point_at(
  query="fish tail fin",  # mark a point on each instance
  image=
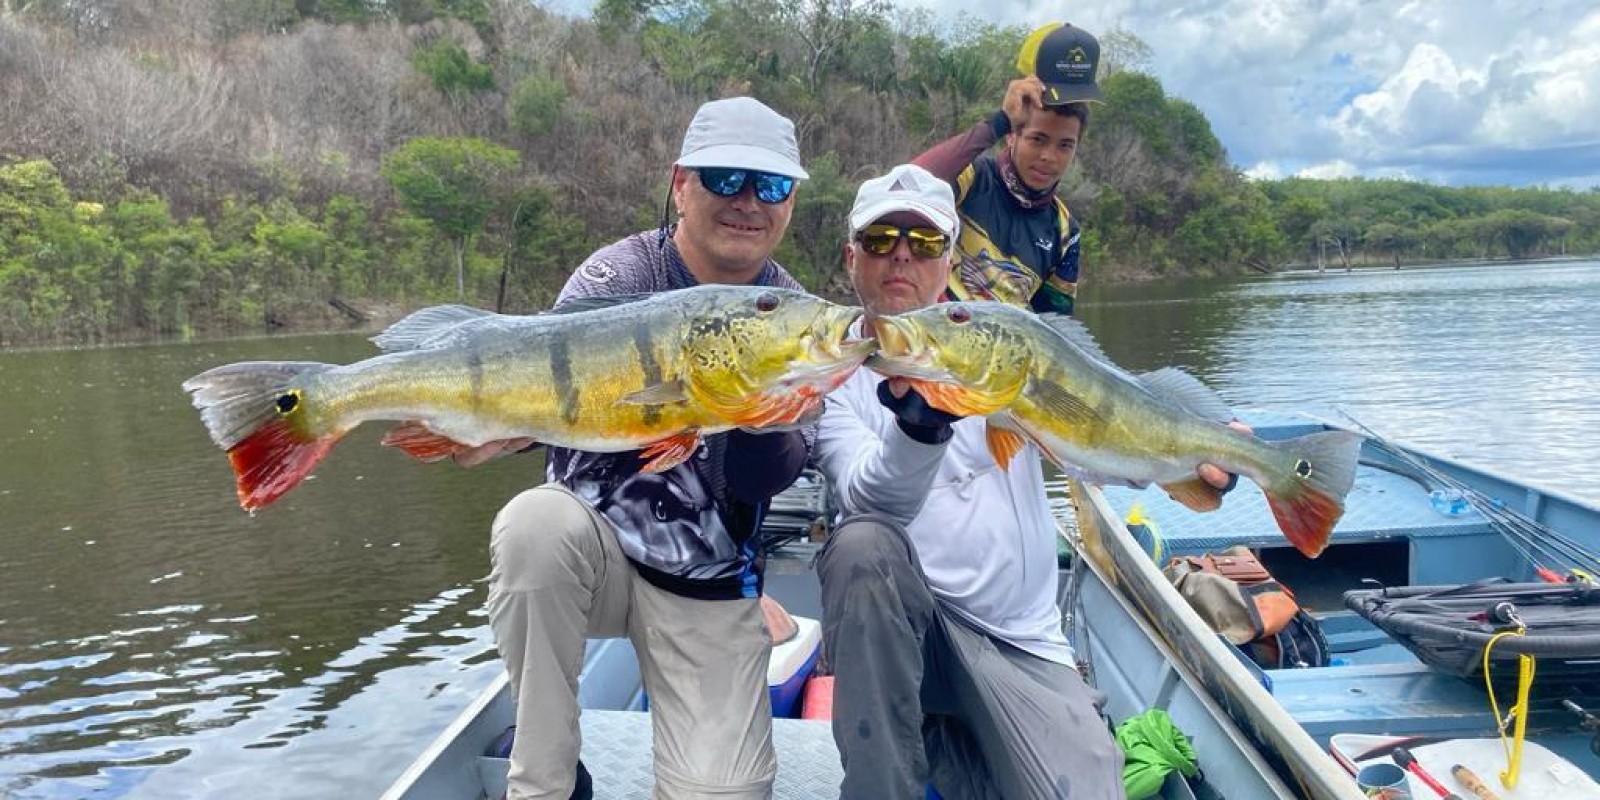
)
(1307, 493)
(255, 411)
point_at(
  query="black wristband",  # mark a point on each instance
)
(917, 419)
(927, 434)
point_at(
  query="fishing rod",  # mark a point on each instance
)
(1524, 534)
(1395, 459)
(1572, 551)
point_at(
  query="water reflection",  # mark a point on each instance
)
(1492, 364)
(156, 642)
(146, 620)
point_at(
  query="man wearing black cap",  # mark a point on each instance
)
(1019, 243)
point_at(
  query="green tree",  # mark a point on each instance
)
(450, 182)
(812, 248)
(1388, 237)
(452, 69)
(536, 103)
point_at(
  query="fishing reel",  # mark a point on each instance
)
(1504, 613)
(1588, 722)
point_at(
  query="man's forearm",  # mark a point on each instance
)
(947, 158)
(892, 477)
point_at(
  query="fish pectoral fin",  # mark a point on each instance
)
(421, 442)
(1062, 405)
(953, 399)
(671, 451)
(1195, 494)
(1004, 444)
(658, 394)
(790, 412)
(1182, 389)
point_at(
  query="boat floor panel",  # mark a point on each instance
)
(1408, 699)
(616, 751)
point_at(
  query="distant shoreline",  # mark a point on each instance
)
(1311, 269)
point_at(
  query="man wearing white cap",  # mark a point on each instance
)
(939, 582)
(670, 559)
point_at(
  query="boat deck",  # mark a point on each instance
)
(616, 751)
(1389, 535)
(1386, 507)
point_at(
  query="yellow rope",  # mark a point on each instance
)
(1519, 712)
(1136, 517)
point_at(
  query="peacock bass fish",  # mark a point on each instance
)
(644, 372)
(1042, 379)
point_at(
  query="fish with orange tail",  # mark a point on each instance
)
(1041, 379)
(652, 373)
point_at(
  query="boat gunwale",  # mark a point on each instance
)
(1313, 772)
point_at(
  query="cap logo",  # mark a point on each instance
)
(900, 186)
(1075, 66)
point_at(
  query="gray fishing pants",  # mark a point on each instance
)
(559, 577)
(920, 694)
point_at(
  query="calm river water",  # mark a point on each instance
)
(155, 641)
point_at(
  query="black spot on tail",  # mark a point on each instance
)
(1302, 468)
(288, 402)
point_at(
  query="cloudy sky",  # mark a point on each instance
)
(1458, 92)
(1488, 92)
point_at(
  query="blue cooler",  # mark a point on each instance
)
(789, 664)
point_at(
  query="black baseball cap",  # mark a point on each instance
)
(1065, 58)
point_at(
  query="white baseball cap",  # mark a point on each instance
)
(907, 187)
(741, 133)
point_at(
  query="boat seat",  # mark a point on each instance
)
(616, 751)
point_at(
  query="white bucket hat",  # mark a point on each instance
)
(907, 187)
(741, 133)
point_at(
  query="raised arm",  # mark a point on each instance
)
(879, 468)
(948, 158)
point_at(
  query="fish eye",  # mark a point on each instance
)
(959, 315)
(767, 301)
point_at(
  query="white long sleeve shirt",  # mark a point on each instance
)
(986, 537)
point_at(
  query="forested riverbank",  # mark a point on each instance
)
(212, 166)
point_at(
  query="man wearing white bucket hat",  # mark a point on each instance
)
(667, 559)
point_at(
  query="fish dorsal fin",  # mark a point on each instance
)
(1182, 389)
(421, 329)
(1074, 331)
(578, 305)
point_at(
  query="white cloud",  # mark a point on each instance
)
(1264, 171)
(1338, 168)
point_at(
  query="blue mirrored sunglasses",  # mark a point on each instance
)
(725, 182)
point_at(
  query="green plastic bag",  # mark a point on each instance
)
(1152, 747)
